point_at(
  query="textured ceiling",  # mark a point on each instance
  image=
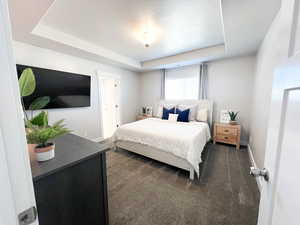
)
(174, 26)
(109, 31)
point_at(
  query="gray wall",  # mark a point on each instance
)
(230, 84)
(273, 51)
(83, 121)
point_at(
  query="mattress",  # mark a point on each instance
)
(184, 140)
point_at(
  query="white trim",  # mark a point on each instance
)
(253, 163)
(12, 124)
(98, 139)
(7, 210)
(292, 44)
(223, 24)
(53, 34)
(101, 76)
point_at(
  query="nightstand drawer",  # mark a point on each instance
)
(227, 133)
(227, 130)
(226, 139)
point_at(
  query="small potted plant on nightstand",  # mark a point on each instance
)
(39, 132)
(233, 117)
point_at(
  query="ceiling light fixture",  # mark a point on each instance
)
(146, 39)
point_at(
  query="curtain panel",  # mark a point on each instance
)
(203, 77)
(181, 83)
(163, 84)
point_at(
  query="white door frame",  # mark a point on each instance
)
(275, 135)
(15, 170)
(281, 89)
(101, 75)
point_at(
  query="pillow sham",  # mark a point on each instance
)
(173, 117)
(160, 109)
(166, 113)
(193, 110)
(202, 115)
(183, 115)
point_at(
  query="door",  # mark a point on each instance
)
(110, 105)
(16, 186)
(280, 204)
(280, 196)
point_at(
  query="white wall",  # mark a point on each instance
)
(230, 86)
(83, 121)
(273, 51)
(150, 88)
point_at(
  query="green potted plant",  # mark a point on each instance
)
(144, 110)
(38, 131)
(41, 134)
(233, 117)
(27, 86)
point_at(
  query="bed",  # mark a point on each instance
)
(175, 143)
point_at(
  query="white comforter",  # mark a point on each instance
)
(185, 140)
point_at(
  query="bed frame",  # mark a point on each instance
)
(160, 155)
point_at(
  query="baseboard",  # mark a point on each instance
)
(253, 163)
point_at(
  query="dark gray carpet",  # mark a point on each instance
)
(146, 192)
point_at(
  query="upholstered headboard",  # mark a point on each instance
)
(204, 104)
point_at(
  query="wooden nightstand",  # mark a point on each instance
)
(227, 133)
(142, 117)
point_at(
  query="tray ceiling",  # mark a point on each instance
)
(111, 31)
(175, 26)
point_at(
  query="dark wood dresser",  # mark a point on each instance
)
(71, 189)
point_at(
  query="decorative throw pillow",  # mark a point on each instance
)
(202, 115)
(160, 109)
(193, 110)
(183, 116)
(166, 113)
(173, 117)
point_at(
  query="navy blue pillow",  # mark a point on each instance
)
(183, 116)
(166, 112)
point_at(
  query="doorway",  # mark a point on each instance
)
(110, 104)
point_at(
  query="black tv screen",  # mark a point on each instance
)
(66, 90)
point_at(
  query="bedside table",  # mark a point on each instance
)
(142, 117)
(227, 133)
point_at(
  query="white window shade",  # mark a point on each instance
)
(182, 83)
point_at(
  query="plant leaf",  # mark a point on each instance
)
(39, 103)
(27, 82)
(41, 135)
(40, 120)
(45, 119)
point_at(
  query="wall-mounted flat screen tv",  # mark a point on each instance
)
(66, 90)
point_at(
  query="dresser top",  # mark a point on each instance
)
(70, 149)
(228, 125)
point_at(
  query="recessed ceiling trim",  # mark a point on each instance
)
(69, 40)
(223, 25)
(187, 58)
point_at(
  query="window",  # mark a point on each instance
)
(182, 83)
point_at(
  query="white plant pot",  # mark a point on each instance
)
(44, 154)
(233, 122)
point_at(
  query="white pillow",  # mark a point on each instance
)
(173, 117)
(193, 110)
(160, 109)
(202, 115)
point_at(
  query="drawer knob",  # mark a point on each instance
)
(226, 137)
(226, 130)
